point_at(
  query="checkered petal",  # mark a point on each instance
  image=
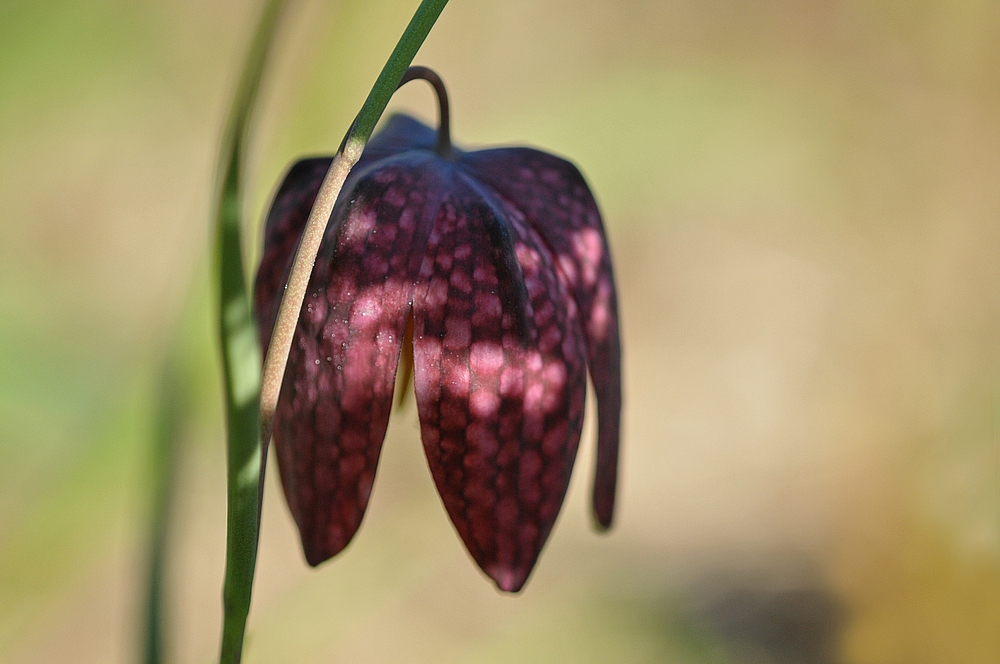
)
(500, 380)
(334, 405)
(558, 205)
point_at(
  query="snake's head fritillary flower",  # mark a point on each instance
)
(499, 261)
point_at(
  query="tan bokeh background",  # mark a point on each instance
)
(803, 201)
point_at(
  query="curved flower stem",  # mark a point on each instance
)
(240, 352)
(443, 147)
(348, 155)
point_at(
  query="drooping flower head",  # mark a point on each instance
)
(499, 261)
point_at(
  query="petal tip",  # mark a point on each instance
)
(315, 558)
(603, 512)
(318, 552)
(602, 522)
(508, 579)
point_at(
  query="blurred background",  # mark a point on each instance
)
(803, 201)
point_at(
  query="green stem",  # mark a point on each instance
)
(240, 352)
(392, 73)
(165, 440)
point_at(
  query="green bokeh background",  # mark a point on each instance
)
(803, 201)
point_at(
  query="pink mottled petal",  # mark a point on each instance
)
(337, 391)
(555, 200)
(294, 200)
(500, 390)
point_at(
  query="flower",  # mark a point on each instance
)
(498, 260)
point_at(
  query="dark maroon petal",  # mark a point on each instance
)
(337, 391)
(396, 135)
(294, 200)
(285, 221)
(500, 390)
(556, 202)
